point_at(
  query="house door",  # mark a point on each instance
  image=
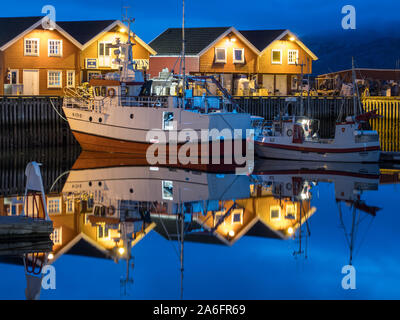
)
(281, 84)
(268, 83)
(31, 82)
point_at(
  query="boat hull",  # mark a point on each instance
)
(228, 154)
(354, 154)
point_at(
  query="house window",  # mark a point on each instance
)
(275, 213)
(71, 79)
(56, 236)
(54, 205)
(92, 74)
(31, 47)
(103, 232)
(54, 79)
(14, 76)
(105, 54)
(237, 216)
(55, 48)
(293, 56)
(167, 190)
(276, 56)
(238, 55)
(219, 218)
(220, 55)
(290, 212)
(70, 205)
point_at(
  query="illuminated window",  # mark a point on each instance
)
(167, 190)
(293, 56)
(276, 56)
(70, 205)
(238, 55)
(71, 79)
(56, 236)
(31, 47)
(237, 216)
(275, 213)
(54, 205)
(290, 212)
(54, 79)
(55, 48)
(103, 232)
(93, 74)
(220, 55)
(219, 218)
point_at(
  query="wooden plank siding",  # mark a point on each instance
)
(265, 65)
(14, 58)
(207, 60)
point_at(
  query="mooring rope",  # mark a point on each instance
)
(55, 109)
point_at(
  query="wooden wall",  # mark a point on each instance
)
(265, 63)
(14, 58)
(207, 64)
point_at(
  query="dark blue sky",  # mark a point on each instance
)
(302, 17)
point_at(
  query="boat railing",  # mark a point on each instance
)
(151, 102)
(77, 98)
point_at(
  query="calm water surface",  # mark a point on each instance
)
(284, 232)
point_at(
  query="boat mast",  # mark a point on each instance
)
(183, 56)
(356, 97)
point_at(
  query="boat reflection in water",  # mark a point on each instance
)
(108, 204)
(350, 181)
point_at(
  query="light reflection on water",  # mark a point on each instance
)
(284, 232)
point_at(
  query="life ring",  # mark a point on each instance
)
(289, 132)
(110, 211)
(111, 92)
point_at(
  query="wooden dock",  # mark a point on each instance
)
(20, 227)
(29, 122)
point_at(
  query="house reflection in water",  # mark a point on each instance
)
(78, 231)
(263, 214)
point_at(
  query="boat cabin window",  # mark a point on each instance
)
(168, 118)
(167, 190)
(100, 91)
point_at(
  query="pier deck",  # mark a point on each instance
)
(19, 227)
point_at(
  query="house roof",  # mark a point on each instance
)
(261, 38)
(12, 27)
(84, 31)
(81, 33)
(170, 41)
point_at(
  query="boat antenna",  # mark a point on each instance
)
(356, 96)
(183, 55)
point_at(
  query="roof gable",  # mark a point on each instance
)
(261, 38)
(10, 28)
(84, 31)
(197, 39)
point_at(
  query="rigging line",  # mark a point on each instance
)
(55, 109)
(58, 178)
(169, 238)
(342, 224)
(365, 236)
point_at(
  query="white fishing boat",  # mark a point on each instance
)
(293, 138)
(118, 118)
(296, 138)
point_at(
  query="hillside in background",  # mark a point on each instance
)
(371, 49)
